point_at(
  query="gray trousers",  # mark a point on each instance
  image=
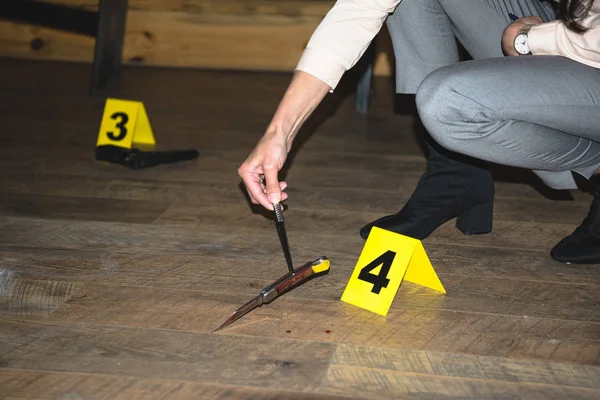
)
(536, 112)
(424, 33)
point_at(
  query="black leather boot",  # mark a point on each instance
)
(452, 186)
(583, 245)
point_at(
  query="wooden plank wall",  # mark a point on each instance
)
(231, 34)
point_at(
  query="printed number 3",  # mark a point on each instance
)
(380, 280)
(124, 118)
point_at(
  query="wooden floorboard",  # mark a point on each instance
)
(493, 294)
(339, 241)
(276, 363)
(295, 317)
(248, 361)
(510, 202)
(176, 270)
(81, 208)
(44, 385)
(112, 280)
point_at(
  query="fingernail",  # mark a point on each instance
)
(274, 198)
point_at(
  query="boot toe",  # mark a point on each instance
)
(382, 223)
(576, 249)
(365, 230)
(396, 223)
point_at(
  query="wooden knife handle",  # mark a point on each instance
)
(302, 275)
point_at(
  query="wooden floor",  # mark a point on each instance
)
(111, 280)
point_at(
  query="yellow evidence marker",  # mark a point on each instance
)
(386, 259)
(125, 124)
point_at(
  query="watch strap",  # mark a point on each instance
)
(524, 29)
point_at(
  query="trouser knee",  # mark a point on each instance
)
(447, 110)
(434, 100)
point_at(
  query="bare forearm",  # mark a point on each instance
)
(299, 101)
(302, 97)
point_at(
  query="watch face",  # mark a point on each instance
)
(521, 45)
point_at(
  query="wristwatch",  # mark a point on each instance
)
(521, 42)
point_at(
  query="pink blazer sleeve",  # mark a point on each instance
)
(554, 38)
(342, 37)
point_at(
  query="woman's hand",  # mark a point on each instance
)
(511, 31)
(266, 160)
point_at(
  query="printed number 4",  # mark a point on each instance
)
(124, 118)
(380, 280)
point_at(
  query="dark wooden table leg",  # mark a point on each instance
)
(112, 16)
(363, 88)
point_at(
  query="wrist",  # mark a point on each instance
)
(300, 99)
(280, 131)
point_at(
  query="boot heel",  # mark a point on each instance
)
(477, 219)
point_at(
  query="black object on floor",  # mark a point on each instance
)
(138, 159)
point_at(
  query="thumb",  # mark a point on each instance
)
(272, 185)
